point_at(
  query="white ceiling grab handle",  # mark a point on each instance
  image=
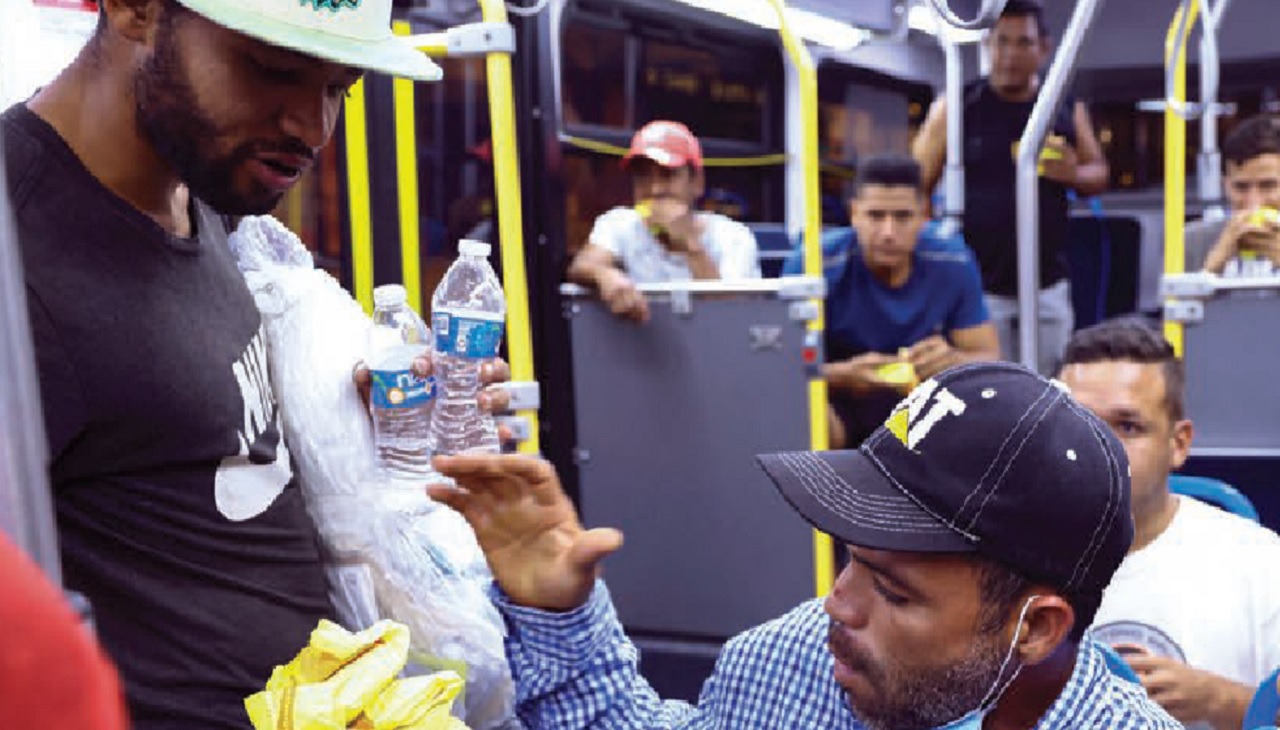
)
(987, 16)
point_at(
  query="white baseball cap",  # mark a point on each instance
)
(352, 32)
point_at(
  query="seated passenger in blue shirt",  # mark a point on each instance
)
(896, 293)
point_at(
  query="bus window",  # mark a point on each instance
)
(861, 112)
(594, 76)
(720, 95)
(623, 70)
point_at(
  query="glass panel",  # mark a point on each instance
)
(593, 76)
(716, 95)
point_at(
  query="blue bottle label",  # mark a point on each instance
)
(400, 389)
(470, 336)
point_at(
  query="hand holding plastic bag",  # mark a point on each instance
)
(391, 553)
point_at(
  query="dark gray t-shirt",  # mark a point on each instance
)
(178, 514)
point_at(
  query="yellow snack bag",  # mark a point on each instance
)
(416, 703)
(645, 209)
(899, 373)
(1265, 215)
(1046, 152)
(339, 678)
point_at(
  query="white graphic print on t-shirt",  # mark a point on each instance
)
(249, 481)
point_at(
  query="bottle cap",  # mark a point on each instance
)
(389, 295)
(467, 247)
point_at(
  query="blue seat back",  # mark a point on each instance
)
(1103, 256)
(773, 245)
(1264, 711)
(1215, 492)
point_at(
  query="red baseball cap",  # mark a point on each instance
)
(669, 144)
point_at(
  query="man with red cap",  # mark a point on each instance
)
(662, 238)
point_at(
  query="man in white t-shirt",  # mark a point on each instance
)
(1195, 607)
(662, 238)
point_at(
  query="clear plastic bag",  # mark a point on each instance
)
(393, 553)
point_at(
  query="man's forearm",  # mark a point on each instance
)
(1231, 702)
(1091, 178)
(964, 357)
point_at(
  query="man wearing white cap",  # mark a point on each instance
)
(178, 512)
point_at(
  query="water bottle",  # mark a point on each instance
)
(467, 315)
(400, 401)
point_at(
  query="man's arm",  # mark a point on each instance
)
(591, 264)
(1243, 231)
(858, 376)
(1092, 171)
(578, 670)
(932, 355)
(1193, 695)
(930, 145)
(597, 267)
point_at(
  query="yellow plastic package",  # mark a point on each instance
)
(1264, 216)
(901, 373)
(342, 681)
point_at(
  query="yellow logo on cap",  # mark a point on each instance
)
(332, 6)
(898, 423)
(910, 422)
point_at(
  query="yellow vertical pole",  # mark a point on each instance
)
(407, 182)
(361, 219)
(1175, 158)
(506, 173)
(823, 554)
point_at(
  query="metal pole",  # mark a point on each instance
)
(1210, 161)
(26, 506)
(1028, 187)
(953, 182)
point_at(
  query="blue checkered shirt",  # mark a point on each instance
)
(578, 670)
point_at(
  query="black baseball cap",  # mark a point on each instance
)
(988, 458)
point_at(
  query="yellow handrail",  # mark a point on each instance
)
(407, 182)
(1175, 160)
(356, 143)
(506, 175)
(823, 554)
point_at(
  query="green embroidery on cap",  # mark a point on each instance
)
(332, 6)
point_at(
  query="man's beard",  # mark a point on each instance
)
(182, 134)
(921, 698)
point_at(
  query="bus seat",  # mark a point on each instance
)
(1103, 258)
(773, 245)
(1117, 664)
(1264, 711)
(1215, 492)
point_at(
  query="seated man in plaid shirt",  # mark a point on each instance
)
(983, 522)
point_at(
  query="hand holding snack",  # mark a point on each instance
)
(672, 222)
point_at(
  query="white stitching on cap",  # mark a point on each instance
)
(1008, 437)
(1008, 464)
(834, 493)
(893, 480)
(837, 495)
(1113, 493)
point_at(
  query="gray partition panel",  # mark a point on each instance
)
(1232, 358)
(669, 417)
